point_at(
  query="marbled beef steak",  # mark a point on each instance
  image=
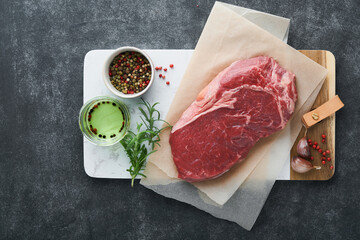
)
(249, 100)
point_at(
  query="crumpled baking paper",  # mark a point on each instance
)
(239, 194)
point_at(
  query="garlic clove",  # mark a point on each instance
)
(301, 165)
(303, 148)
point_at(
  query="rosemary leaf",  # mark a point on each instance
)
(147, 132)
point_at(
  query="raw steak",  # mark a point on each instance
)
(249, 100)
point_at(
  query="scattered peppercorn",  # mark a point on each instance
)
(114, 104)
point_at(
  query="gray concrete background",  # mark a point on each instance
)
(44, 191)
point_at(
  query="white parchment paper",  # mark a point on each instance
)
(239, 194)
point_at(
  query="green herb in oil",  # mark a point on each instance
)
(147, 133)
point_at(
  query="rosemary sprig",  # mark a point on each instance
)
(135, 143)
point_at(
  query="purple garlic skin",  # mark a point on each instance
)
(301, 165)
(303, 148)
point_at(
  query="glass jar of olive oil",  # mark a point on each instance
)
(104, 120)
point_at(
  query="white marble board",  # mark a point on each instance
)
(111, 162)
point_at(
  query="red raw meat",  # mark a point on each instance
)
(249, 100)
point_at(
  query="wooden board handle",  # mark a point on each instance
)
(322, 112)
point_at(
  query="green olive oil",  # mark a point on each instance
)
(105, 119)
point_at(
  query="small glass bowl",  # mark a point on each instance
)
(85, 127)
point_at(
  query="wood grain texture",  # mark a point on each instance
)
(326, 126)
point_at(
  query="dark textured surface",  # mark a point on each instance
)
(44, 191)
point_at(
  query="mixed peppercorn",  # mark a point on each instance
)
(130, 72)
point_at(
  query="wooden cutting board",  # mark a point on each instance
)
(327, 126)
